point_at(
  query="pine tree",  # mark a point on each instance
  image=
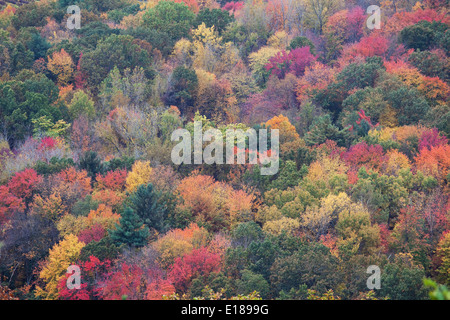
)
(147, 204)
(131, 230)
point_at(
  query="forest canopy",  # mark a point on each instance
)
(87, 179)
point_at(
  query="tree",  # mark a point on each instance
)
(422, 34)
(91, 163)
(130, 230)
(214, 17)
(148, 205)
(140, 174)
(434, 161)
(443, 256)
(200, 262)
(294, 62)
(81, 105)
(318, 11)
(183, 88)
(321, 130)
(251, 282)
(123, 53)
(173, 18)
(23, 184)
(62, 66)
(179, 242)
(61, 256)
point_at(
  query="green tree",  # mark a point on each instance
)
(183, 88)
(115, 50)
(250, 282)
(131, 230)
(214, 17)
(81, 104)
(170, 17)
(149, 206)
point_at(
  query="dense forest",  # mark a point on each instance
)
(87, 179)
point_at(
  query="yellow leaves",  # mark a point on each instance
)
(266, 213)
(62, 66)
(355, 232)
(276, 227)
(204, 35)
(179, 242)
(325, 168)
(279, 40)
(103, 216)
(206, 51)
(396, 161)
(61, 256)
(388, 117)
(69, 224)
(258, 59)
(443, 253)
(317, 220)
(205, 80)
(51, 207)
(289, 138)
(140, 174)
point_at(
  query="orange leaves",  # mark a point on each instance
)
(287, 130)
(179, 242)
(289, 138)
(62, 66)
(214, 203)
(103, 216)
(434, 161)
(112, 180)
(434, 89)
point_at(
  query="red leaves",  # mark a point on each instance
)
(112, 180)
(22, 184)
(294, 62)
(94, 233)
(91, 273)
(47, 143)
(200, 262)
(131, 282)
(361, 154)
(431, 138)
(9, 204)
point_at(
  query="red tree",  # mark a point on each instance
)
(294, 62)
(200, 262)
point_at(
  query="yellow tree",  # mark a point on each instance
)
(178, 242)
(140, 174)
(61, 256)
(62, 66)
(443, 255)
(289, 138)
